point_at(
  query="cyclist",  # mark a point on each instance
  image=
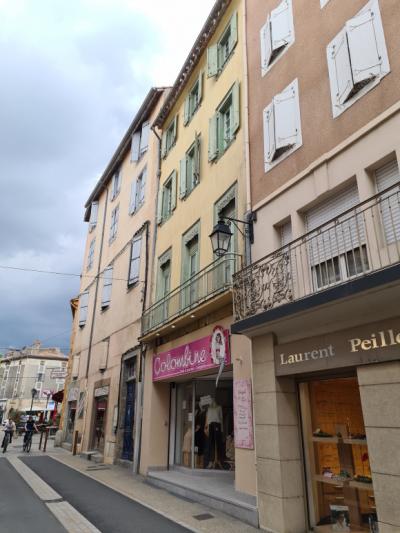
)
(9, 428)
(30, 427)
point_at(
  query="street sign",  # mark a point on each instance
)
(58, 373)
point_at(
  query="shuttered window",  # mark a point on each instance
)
(282, 126)
(169, 136)
(134, 267)
(218, 54)
(224, 124)
(189, 175)
(357, 58)
(91, 254)
(94, 210)
(276, 34)
(167, 198)
(114, 224)
(286, 233)
(116, 184)
(389, 204)
(337, 249)
(193, 100)
(107, 287)
(83, 308)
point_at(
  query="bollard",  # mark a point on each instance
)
(75, 442)
(41, 438)
(45, 440)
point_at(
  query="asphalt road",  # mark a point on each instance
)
(21, 511)
(109, 511)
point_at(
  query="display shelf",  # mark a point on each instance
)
(329, 480)
(361, 486)
(361, 442)
(329, 440)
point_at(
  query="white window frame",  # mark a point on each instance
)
(83, 308)
(274, 43)
(138, 188)
(275, 120)
(90, 258)
(140, 142)
(114, 224)
(347, 82)
(134, 263)
(107, 287)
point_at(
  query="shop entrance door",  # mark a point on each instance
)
(99, 424)
(127, 452)
(70, 421)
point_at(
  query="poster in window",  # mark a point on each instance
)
(243, 414)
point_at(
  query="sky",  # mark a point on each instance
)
(72, 74)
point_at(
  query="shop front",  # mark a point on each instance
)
(328, 454)
(99, 418)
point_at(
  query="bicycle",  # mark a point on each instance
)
(6, 441)
(27, 442)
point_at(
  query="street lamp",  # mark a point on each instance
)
(221, 234)
(33, 393)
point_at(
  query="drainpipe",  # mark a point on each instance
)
(248, 214)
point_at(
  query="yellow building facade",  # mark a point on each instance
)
(197, 410)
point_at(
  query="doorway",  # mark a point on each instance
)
(99, 423)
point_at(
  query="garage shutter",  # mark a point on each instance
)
(342, 234)
(389, 203)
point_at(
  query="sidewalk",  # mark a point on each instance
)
(133, 486)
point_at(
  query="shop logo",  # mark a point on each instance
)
(183, 361)
(301, 357)
(218, 349)
(379, 340)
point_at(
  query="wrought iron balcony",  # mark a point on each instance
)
(214, 279)
(357, 243)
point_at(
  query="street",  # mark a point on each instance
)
(40, 495)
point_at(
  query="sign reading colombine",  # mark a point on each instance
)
(192, 357)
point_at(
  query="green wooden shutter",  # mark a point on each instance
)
(200, 85)
(235, 107)
(160, 205)
(212, 60)
(182, 178)
(164, 144)
(234, 32)
(175, 129)
(197, 144)
(173, 190)
(212, 138)
(186, 110)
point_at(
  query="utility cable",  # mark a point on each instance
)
(6, 267)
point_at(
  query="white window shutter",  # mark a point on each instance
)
(269, 133)
(135, 260)
(366, 60)
(182, 178)
(339, 66)
(83, 308)
(94, 209)
(173, 190)
(186, 111)
(144, 138)
(135, 146)
(281, 27)
(132, 203)
(107, 286)
(212, 61)
(266, 44)
(212, 138)
(236, 107)
(160, 204)
(285, 109)
(143, 186)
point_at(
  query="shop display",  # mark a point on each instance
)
(336, 444)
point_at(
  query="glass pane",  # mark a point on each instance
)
(184, 417)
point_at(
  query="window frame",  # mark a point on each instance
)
(219, 54)
(106, 302)
(169, 184)
(189, 181)
(195, 93)
(85, 297)
(114, 224)
(218, 143)
(94, 212)
(134, 260)
(116, 184)
(169, 137)
(90, 258)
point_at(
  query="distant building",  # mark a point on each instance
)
(32, 367)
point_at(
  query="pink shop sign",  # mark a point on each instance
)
(243, 414)
(193, 357)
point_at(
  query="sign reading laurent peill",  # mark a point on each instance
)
(191, 357)
(371, 343)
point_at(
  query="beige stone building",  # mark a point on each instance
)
(104, 394)
(320, 301)
(197, 437)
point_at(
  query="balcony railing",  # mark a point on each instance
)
(204, 285)
(360, 241)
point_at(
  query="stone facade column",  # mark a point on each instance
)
(380, 398)
(280, 487)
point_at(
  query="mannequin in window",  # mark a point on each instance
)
(213, 430)
(187, 446)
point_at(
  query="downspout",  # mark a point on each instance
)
(248, 213)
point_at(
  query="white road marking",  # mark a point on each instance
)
(67, 515)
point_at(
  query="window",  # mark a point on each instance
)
(190, 169)
(91, 255)
(169, 137)
(83, 308)
(193, 100)
(115, 184)
(140, 142)
(282, 129)
(219, 53)
(224, 124)
(134, 267)
(94, 209)
(107, 286)
(166, 199)
(40, 374)
(285, 232)
(190, 266)
(277, 34)
(323, 3)
(357, 58)
(389, 204)
(137, 192)
(114, 224)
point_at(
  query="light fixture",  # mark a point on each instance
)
(220, 238)
(192, 316)
(173, 326)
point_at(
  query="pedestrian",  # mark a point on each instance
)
(9, 428)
